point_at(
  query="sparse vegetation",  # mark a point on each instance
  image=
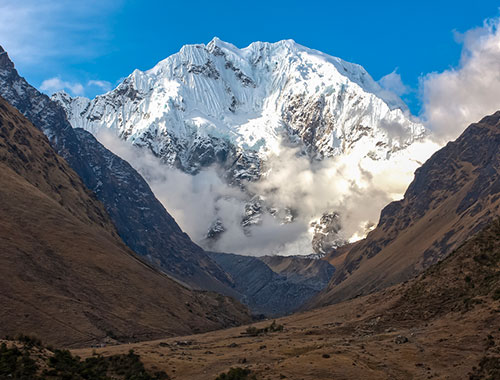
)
(489, 369)
(16, 363)
(27, 359)
(496, 294)
(474, 266)
(254, 331)
(237, 374)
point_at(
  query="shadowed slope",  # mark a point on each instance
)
(65, 274)
(140, 219)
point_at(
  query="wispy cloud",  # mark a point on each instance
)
(55, 84)
(32, 30)
(462, 95)
(102, 84)
(393, 82)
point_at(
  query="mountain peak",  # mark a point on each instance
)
(5, 61)
(217, 104)
(216, 41)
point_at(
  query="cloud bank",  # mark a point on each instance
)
(465, 94)
(355, 186)
(57, 84)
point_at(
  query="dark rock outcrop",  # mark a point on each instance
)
(142, 221)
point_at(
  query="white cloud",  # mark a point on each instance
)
(102, 84)
(357, 187)
(462, 95)
(392, 82)
(57, 84)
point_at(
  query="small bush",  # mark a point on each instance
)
(17, 364)
(29, 341)
(237, 374)
(254, 331)
(496, 294)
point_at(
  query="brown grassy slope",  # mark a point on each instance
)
(454, 194)
(469, 276)
(450, 316)
(64, 273)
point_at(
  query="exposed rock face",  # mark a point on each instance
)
(44, 114)
(278, 288)
(219, 105)
(454, 195)
(65, 274)
(141, 220)
(326, 229)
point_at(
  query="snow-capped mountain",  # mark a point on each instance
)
(204, 99)
(217, 104)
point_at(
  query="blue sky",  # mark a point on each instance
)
(88, 46)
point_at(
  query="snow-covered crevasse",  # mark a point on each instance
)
(242, 109)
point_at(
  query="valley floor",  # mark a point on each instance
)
(357, 339)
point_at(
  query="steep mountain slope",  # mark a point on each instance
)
(238, 109)
(467, 277)
(65, 274)
(454, 194)
(147, 227)
(264, 290)
(140, 219)
(440, 325)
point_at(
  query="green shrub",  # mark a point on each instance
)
(17, 364)
(62, 365)
(254, 331)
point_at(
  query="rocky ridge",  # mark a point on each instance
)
(453, 196)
